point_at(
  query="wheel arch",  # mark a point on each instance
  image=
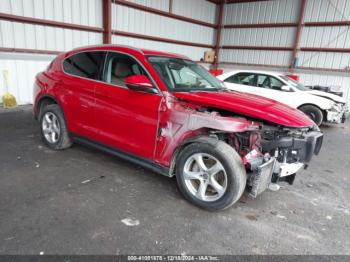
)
(45, 100)
(324, 114)
(197, 139)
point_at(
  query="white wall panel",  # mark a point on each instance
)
(278, 11)
(200, 10)
(259, 36)
(85, 12)
(331, 36)
(156, 4)
(195, 53)
(21, 77)
(136, 21)
(19, 35)
(327, 10)
(262, 12)
(324, 60)
(325, 37)
(279, 58)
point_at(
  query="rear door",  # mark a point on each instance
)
(127, 119)
(82, 71)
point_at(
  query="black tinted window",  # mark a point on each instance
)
(248, 79)
(84, 64)
(269, 82)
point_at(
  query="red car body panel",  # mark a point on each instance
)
(150, 126)
(250, 105)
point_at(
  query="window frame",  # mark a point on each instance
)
(171, 78)
(104, 68)
(98, 71)
(270, 76)
(247, 73)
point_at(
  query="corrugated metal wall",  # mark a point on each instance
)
(334, 37)
(157, 4)
(262, 12)
(279, 11)
(200, 10)
(124, 19)
(83, 12)
(89, 13)
(193, 52)
(196, 9)
(22, 68)
(287, 11)
(20, 35)
(136, 21)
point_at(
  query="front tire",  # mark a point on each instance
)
(53, 127)
(313, 112)
(210, 177)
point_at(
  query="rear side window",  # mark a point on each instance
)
(85, 64)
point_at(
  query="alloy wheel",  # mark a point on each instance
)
(205, 177)
(51, 127)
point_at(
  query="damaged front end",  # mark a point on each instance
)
(282, 152)
(270, 152)
(337, 114)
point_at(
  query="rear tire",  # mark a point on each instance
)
(216, 170)
(313, 112)
(53, 127)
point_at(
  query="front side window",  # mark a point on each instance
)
(184, 75)
(119, 66)
(247, 79)
(84, 64)
(269, 82)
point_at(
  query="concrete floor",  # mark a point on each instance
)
(73, 201)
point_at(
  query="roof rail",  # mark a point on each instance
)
(110, 45)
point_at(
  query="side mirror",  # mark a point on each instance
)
(286, 88)
(140, 83)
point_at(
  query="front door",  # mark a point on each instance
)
(127, 119)
(271, 87)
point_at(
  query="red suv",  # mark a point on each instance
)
(166, 113)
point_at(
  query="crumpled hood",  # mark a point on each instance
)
(249, 105)
(333, 97)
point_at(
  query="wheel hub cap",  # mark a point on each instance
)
(205, 177)
(51, 127)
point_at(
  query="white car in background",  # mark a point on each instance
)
(319, 106)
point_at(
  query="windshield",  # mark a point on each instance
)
(294, 83)
(182, 75)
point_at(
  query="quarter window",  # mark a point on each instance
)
(85, 64)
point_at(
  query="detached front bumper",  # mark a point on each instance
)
(291, 155)
(266, 173)
(338, 114)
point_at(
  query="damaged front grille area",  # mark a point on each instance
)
(275, 154)
(290, 146)
(261, 178)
